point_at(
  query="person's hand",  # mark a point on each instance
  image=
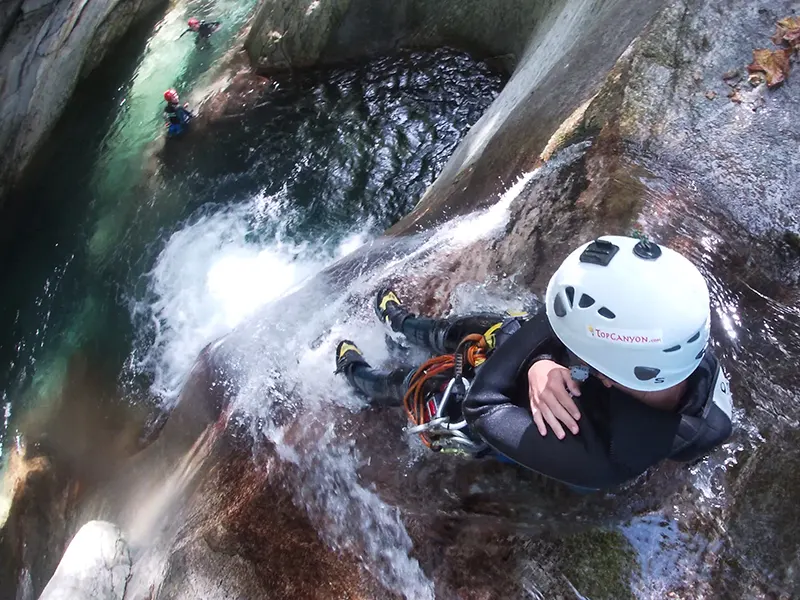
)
(549, 388)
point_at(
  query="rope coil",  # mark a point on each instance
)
(473, 349)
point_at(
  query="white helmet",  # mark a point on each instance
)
(636, 312)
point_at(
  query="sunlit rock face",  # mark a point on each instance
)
(46, 46)
(95, 566)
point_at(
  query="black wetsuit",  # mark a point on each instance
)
(619, 438)
(204, 30)
(176, 114)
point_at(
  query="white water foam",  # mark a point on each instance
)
(210, 277)
(297, 376)
(282, 351)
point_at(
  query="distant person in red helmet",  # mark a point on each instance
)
(203, 29)
(177, 117)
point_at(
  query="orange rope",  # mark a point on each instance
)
(474, 350)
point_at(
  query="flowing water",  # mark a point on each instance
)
(130, 256)
(136, 256)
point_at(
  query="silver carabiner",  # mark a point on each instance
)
(447, 391)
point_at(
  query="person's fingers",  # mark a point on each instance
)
(565, 400)
(559, 411)
(533, 397)
(551, 420)
(572, 385)
(539, 420)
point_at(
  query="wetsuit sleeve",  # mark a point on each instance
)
(185, 32)
(497, 409)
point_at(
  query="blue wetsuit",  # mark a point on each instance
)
(178, 118)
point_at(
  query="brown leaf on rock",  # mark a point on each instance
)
(735, 96)
(788, 30)
(774, 64)
(711, 94)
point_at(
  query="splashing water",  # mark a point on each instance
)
(216, 275)
(211, 276)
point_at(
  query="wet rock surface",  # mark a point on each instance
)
(73, 444)
(45, 48)
(649, 150)
(740, 151)
(291, 34)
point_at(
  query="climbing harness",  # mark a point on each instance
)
(428, 411)
(434, 407)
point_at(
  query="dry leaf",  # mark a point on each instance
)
(711, 94)
(788, 30)
(735, 97)
(774, 64)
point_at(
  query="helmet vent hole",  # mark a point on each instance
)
(558, 307)
(700, 354)
(673, 349)
(604, 312)
(646, 373)
(694, 338)
(570, 291)
(585, 301)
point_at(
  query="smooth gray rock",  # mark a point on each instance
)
(676, 106)
(95, 566)
(288, 33)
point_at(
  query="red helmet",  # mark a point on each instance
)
(194, 22)
(171, 96)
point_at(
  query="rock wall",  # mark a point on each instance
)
(289, 34)
(45, 48)
(559, 51)
(684, 99)
(679, 96)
